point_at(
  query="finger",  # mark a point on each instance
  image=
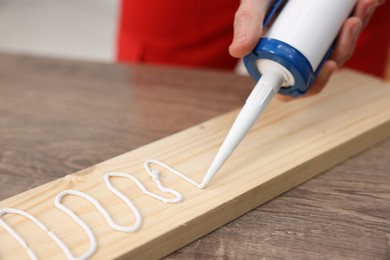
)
(346, 40)
(326, 72)
(365, 8)
(248, 26)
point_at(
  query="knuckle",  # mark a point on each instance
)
(348, 56)
(242, 15)
(343, 58)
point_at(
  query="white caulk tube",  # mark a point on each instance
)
(286, 60)
(310, 26)
(300, 40)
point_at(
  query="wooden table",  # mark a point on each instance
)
(58, 117)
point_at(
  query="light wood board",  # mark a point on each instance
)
(291, 143)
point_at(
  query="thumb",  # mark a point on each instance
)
(248, 26)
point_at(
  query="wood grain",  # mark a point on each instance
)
(341, 214)
(283, 250)
(59, 116)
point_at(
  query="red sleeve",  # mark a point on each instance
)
(190, 33)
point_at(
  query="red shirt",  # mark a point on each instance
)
(372, 49)
(198, 34)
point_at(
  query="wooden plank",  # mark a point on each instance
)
(81, 114)
(291, 143)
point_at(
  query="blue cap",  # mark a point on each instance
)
(287, 56)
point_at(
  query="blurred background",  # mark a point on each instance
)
(72, 29)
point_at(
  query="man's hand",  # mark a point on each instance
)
(248, 27)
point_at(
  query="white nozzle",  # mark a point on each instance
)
(261, 95)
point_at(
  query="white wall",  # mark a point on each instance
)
(75, 29)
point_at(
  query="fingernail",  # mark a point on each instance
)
(238, 39)
(356, 31)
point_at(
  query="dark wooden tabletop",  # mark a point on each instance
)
(58, 117)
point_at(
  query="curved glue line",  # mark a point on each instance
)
(82, 224)
(130, 204)
(151, 172)
(134, 209)
(155, 176)
(92, 239)
(41, 226)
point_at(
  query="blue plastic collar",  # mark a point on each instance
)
(287, 56)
